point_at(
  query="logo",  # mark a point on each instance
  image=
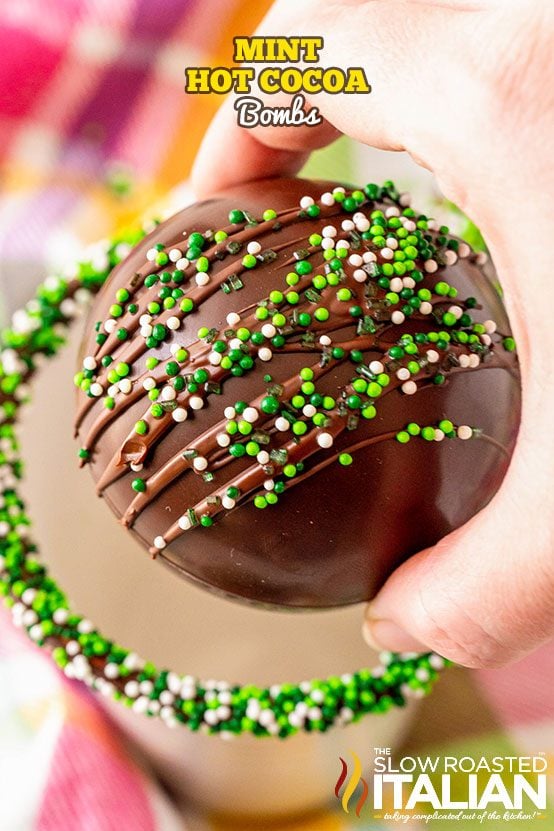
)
(427, 788)
(352, 784)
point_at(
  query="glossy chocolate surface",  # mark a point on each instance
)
(337, 531)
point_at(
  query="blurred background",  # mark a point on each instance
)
(96, 132)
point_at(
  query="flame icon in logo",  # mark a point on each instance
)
(352, 784)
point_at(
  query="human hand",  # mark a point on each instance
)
(463, 87)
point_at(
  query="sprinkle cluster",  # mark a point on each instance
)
(40, 607)
(369, 268)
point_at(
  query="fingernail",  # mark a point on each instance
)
(385, 634)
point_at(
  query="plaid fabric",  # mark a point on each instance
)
(94, 129)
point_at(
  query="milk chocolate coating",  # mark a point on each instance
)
(335, 536)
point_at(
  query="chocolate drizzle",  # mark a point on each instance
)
(359, 322)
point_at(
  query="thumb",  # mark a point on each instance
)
(484, 595)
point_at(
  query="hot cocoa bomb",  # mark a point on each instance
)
(287, 390)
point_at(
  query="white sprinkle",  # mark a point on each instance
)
(175, 255)
(184, 522)
(306, 202)
(456, 311)
(339, 189)
(148, 383)
(376, 367)
(72, 648)
(131, 689)
(392, 243)
(146, 687)
(173, 323)
(464, 250)
(268, 330)
(146, 330)
(450, 257)
(125, 386)
(200, 463)
(327, 198)
(136, 468)
(474, 360)
(88, 363)
(179, 415)
(96, 389)
(223, 439)
(486, 339)
(355, 260)
(266, 718)
(309, 410)
(168, 394)
(325, 440)
(397, 317)
(432, 356)
(233, 319)
(159, 543)
(111, 670)
(215, 358)
(464, 432)
(235, 343)
(426, 308)
(60, 616)
(490, 326)
(430, 266)
(85, 626)
(263, 457)
(369, 257)
(29, 617)
(327, 243)
(202, 278)
(392, 211)
(439, 435)
(182, 264)
(269, 484)
(113, 390)
(396, 284)
(250, 414)
(228, 503)
(360, 275)
(409, 387)
(329, 231)
(211, 717)
(436, 661)
(363, 224)
(403, 374)
(481, 258)
(196, 402)
(282, 424)
(347, 225)
(151, 254)
(229, 412)
(265, 354)
(110, 325)
(387, 253)
(464, 361)
(325, 340)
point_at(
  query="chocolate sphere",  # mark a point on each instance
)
(287, 390)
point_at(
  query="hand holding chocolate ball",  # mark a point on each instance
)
(484, 594)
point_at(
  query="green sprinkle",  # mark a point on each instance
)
(141, 427)
(139, 485)
(303, 267)
(345, 459)
(236, 216)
